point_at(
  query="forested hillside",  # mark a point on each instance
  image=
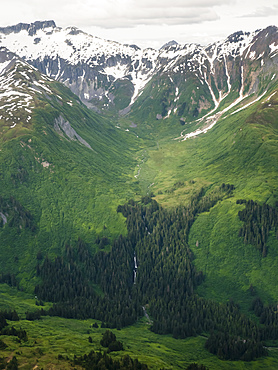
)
(163, 229)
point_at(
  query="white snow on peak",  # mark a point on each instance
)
(73, 46)
(118, 71)
(179, 51)
(273, 47)
(76, 47)
(3, 65)
(18, 86)
(233, 45)
(120, 60)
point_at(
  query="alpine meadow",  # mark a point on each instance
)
(138, 202)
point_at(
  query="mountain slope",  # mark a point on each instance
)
(184, 82)
(62, 168)
(241, 149)
(87, 64)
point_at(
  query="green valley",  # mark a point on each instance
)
(115, 221)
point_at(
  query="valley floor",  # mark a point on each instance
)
(51, 337)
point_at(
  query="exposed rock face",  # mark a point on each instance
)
(169, 44)
(63, 126)
(184, 80)
(30, 28)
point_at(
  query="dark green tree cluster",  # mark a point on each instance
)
(2, 344)
(110, 341)
(3, 363)
(11, 315)
(258, 221)
(152, 266)
(195, 315)
(228, 347)
(12, 331)
(268, 315)
(7, 315)
(228, 188)
(33, 315)
(68, 282)
(62, 281)
(13, 364)
(101, 361)
(195, 366)
(8, 279)
(107, 337)
(3, 322)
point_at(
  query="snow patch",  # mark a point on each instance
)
(210, 123)
(271, 96)
(248, 105)
(118, 71)
(3, 65)
(273, 47)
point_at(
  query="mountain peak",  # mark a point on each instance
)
(169, 44)
(32, 28)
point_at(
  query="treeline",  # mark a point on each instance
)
(153, 267)
(258, 221)
(234, 348)
(69, 281)
(7, 315)
(268, 316)
(11, 315)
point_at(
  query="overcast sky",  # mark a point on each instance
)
(148, 23)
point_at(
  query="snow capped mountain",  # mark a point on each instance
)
(87, 64)
(107, 75)
(19, 84)
(25, 92)
(201, 80)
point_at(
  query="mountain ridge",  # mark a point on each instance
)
(109, 76)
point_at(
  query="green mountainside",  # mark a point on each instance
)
(102, 216)
(70, 187)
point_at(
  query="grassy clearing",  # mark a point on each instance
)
(53, 336)
(229, 265)
(240, 149)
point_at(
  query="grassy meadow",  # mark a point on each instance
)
(50, 337)
(77, 194)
